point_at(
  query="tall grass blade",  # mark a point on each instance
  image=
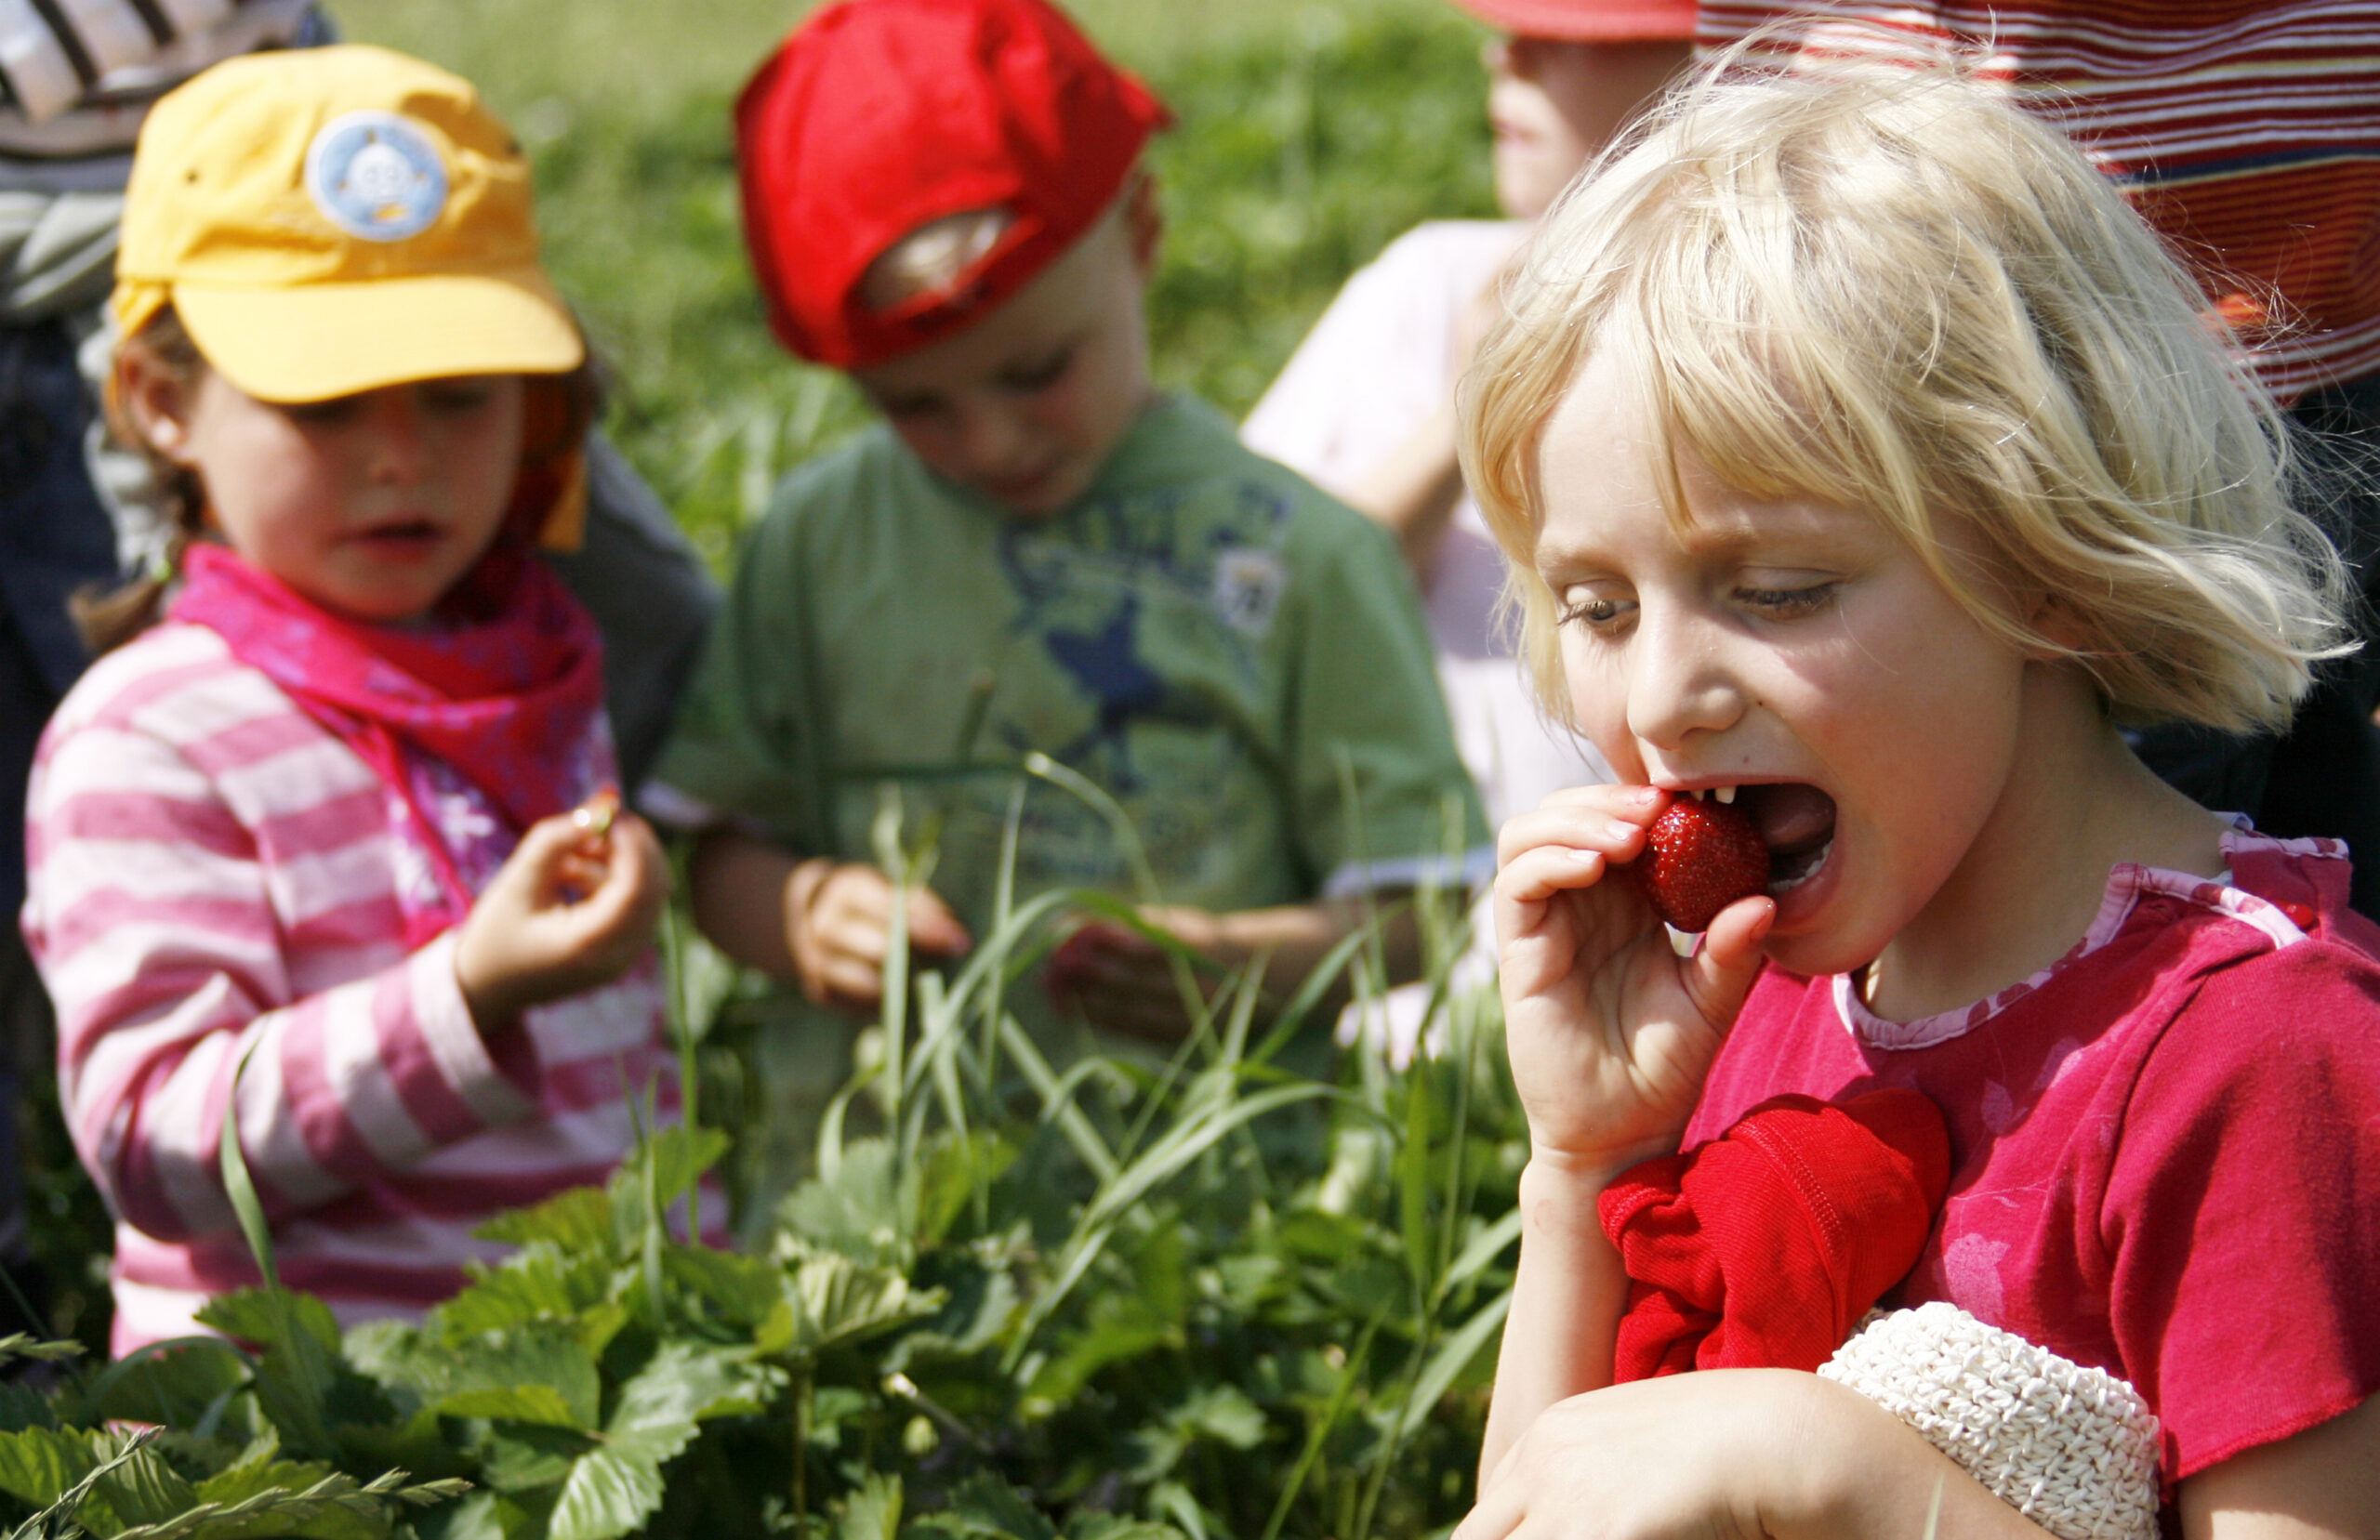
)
(1057, 1101)
(1450, 1357)
(1348, 1378)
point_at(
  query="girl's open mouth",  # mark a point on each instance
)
(1797, 821)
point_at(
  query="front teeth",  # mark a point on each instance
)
(1725, 794)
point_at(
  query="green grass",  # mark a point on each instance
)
(1308, 135)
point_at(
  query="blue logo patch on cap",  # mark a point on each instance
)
(375, 176)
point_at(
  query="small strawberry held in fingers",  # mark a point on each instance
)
(1700, 857)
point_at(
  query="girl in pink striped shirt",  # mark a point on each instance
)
(329, 848)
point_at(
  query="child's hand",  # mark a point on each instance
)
(574, 907)
(1726, 1452)
(1611, 1032)
(839, 925)
(1122, 981)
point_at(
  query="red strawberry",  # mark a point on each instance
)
(1700, 857)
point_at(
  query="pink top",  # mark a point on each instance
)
(210, 874)
(2165, 1147)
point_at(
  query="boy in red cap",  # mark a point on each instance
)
(1037, 552)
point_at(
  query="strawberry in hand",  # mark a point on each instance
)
(1702, 856)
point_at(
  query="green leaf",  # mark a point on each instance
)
(537, 1403)
(523, 1456)
(40, 1465)
(270, 1317)
(952, 1170)
(680, 1385)
(482, 1515)
(21, 1406)
(143, 1490)
(538, 1372)
(608, 1492)
(181, 1383)
(1224, 1414)
(541, 1281)
(673, 1159)
(612, 1489)
(296, 1369)
(985, 1506)
(578, 1221)
(874, 1511)
(855, 1210)
(837, 1300)
(740, 1290)
(1083, 1524)
(40, 1461)
(982, 1301)
(354, 1518)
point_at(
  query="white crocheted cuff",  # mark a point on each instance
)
(2072, 1449)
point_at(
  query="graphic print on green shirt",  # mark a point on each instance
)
(1218, 645)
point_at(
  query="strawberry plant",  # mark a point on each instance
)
(1116, 1300)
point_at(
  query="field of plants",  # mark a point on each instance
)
(1239, 1293)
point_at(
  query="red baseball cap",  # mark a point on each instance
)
(1590, 20)
(878, 117)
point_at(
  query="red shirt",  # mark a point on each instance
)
(2164, 1148)
(2246, 131)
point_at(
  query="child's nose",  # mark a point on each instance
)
(400, 442)
(1679, 680)
(990, 438)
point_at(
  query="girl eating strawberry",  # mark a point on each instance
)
(1864, 462)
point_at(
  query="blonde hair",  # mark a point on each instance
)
(1882, 287)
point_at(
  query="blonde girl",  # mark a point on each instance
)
(1862, 458)
(330, 850)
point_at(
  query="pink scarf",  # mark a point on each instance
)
(461, 719)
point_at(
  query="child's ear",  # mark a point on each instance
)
(155, 402)
(2054, 621)
(1144, 221)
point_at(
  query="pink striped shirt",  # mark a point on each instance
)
(213, 876)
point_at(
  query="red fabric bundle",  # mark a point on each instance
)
(1764, 1247)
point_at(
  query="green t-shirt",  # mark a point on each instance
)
(1222, 648)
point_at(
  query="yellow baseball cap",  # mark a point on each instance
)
(332, 220)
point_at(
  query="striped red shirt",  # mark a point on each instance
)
(213, 876)
(2247, 133)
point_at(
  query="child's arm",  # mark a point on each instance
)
(819, 923)
(1789, 1456)
(1124, 982)
(1610, 1034)
(155, 922)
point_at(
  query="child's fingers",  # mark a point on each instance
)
(542, 844)
(840, 978)
(933, 928)
(632, 884)
(1536, 875)
(1610, 819)
(1720, 971)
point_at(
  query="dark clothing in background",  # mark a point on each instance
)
(2323, 776)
